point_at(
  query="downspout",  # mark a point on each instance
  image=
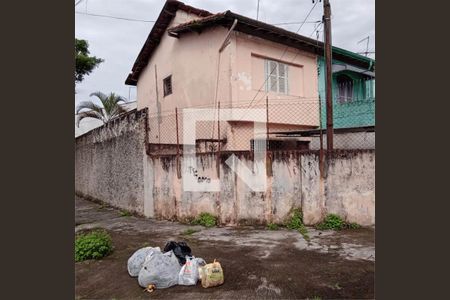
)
(218, 158)
(227, 38)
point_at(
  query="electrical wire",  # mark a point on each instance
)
(148, 21)
(284, 52)
(294, 23)
(316, 28)
(114, 17)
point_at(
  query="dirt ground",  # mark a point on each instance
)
(257, 263)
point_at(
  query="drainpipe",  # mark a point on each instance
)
(227, 38)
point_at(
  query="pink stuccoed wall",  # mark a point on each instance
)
(201, 77)
(249, 73)
(192, 61)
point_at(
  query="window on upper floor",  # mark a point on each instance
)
(277, 77)
(167, 85)
(345, 88)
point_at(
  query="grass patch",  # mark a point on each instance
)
(353, 225)
(296, 222)
(335, 222)
(272, 226)
(205, 219)
(296, 219)
(92, 245)
(304, 232)
(189, 231)
(124, 213)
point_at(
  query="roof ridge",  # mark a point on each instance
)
(162, 22)
(245, 24)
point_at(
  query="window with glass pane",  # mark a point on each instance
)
(345, 88)
(277, 77)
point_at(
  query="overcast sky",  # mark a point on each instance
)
(118, 42)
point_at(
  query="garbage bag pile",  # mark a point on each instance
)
(174, 265)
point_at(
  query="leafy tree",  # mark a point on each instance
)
(84, 64)
(110, 110)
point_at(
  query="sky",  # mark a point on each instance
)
(118, 41)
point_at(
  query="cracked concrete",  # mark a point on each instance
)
(258, 263)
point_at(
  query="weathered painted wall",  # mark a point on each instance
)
(348, 189)
(109, 163)
(193, 61)
(351, 140)
(250, 79)
(357, 113)
(201, 77)
(112, 165)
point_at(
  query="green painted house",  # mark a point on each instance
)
(353, 90)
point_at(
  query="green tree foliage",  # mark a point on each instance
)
(109, 110)
(84, 64)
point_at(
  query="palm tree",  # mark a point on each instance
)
(110, 110)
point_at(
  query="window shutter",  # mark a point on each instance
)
(286, 72)
(276, 77)
(266, 74)
(273, 76)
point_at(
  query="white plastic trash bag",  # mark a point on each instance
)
(136, 261)
(189, 272)
(160, 269)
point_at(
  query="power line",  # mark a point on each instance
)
(316, 28)
(284, 52)
(294, 23)
(113, 17)
(78, 2)
(150, 21)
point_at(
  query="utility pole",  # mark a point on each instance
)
(328, 76)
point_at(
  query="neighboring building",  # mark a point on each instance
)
(88, 124)
(191, 59)
(353, 93)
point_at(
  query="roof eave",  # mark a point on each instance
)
(158, 30)
(276, 34)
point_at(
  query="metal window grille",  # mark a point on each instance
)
(167, 83)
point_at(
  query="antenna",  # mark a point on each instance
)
(257, 11)
(367, 45)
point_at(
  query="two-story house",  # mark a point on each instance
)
(194, 58)
(353, 92)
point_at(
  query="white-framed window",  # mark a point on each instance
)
(277, 76)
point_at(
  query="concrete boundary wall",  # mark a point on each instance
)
(347, 189)
(109, 162)
(112, 165)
